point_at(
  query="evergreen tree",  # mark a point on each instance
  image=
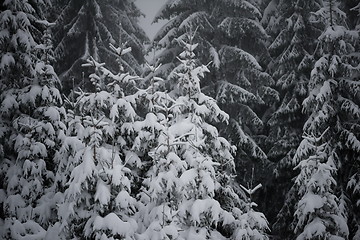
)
(291, 50)
(232, 39)
(189, 191)
(31, 122)
(333, 104)
(146, 130)
(161, 193)
(98, 200)
(86, 28)
(293, 41)
(318, 214)
(66, 159)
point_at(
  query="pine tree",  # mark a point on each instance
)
(86, 28)
(189, 191)
(293, 41)
(66, 158)
(146, 130)
(318, 214)
(98, 199)
(161, 193)
(333, 104)
(31, 119)
(291, 51)
(237, 80)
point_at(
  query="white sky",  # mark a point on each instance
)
(150, 8)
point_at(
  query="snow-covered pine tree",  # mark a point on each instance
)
(333, 103)
(98, 201)
(146, 130)
(31, 119)
(253, 224)
(189, 192)
(231, 38)
(86, 28)
(161, 192)
(318, 213)
(293, 41)
(66, 158)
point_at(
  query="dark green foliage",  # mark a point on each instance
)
(293, 40)
(86, 28)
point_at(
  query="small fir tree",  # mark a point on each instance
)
(98, 199)
(189, 192)
(318, 214)
(32, 122)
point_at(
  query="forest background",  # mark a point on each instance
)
(98, 141)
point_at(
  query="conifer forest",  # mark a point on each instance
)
(239, 120)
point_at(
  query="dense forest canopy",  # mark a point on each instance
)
(245, 124)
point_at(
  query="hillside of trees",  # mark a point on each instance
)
(244, 125)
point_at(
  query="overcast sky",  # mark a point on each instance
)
(150, 8)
